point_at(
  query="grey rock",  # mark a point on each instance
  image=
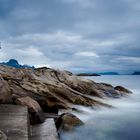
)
(3, 136)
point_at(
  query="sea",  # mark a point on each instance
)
(122, 122)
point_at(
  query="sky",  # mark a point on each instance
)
(75, 35)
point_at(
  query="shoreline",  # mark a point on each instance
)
(49, 90)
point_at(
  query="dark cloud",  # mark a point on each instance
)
(78, 35)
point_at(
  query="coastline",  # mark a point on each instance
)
(48, 90)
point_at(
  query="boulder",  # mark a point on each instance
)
(3, 135)
(35, 112)
(122, 89)
(70, 121)
(5, 95)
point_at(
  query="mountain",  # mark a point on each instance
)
(136, 73)
(14, 63)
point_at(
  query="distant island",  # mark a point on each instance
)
(88, 74)
(109, 73)
(97, 74)
(14, 63)
(136, 73)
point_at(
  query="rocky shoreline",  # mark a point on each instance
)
(46, 90)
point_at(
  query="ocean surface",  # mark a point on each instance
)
(119, 123)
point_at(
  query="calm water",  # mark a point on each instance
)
(120, 123)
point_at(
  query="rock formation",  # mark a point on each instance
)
(35, 111)
(3, 136)
(67, 122)
(51, 89)
(5, 95)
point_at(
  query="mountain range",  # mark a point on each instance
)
(14, 63)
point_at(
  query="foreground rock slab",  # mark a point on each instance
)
(44, 131)
(14, 122)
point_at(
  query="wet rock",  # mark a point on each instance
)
(122, 89)
(35, 111)
(3, 136)
(108, 90)
(70, 121)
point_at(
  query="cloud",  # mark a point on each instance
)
(77, 35)
(81, 3)
(31, 51)
(87, 54)
(129, 59)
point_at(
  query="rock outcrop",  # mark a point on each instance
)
(2, 136)
(36, 113)
(122, 90)
(70, 121)
(51, 89)
(5, 95)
